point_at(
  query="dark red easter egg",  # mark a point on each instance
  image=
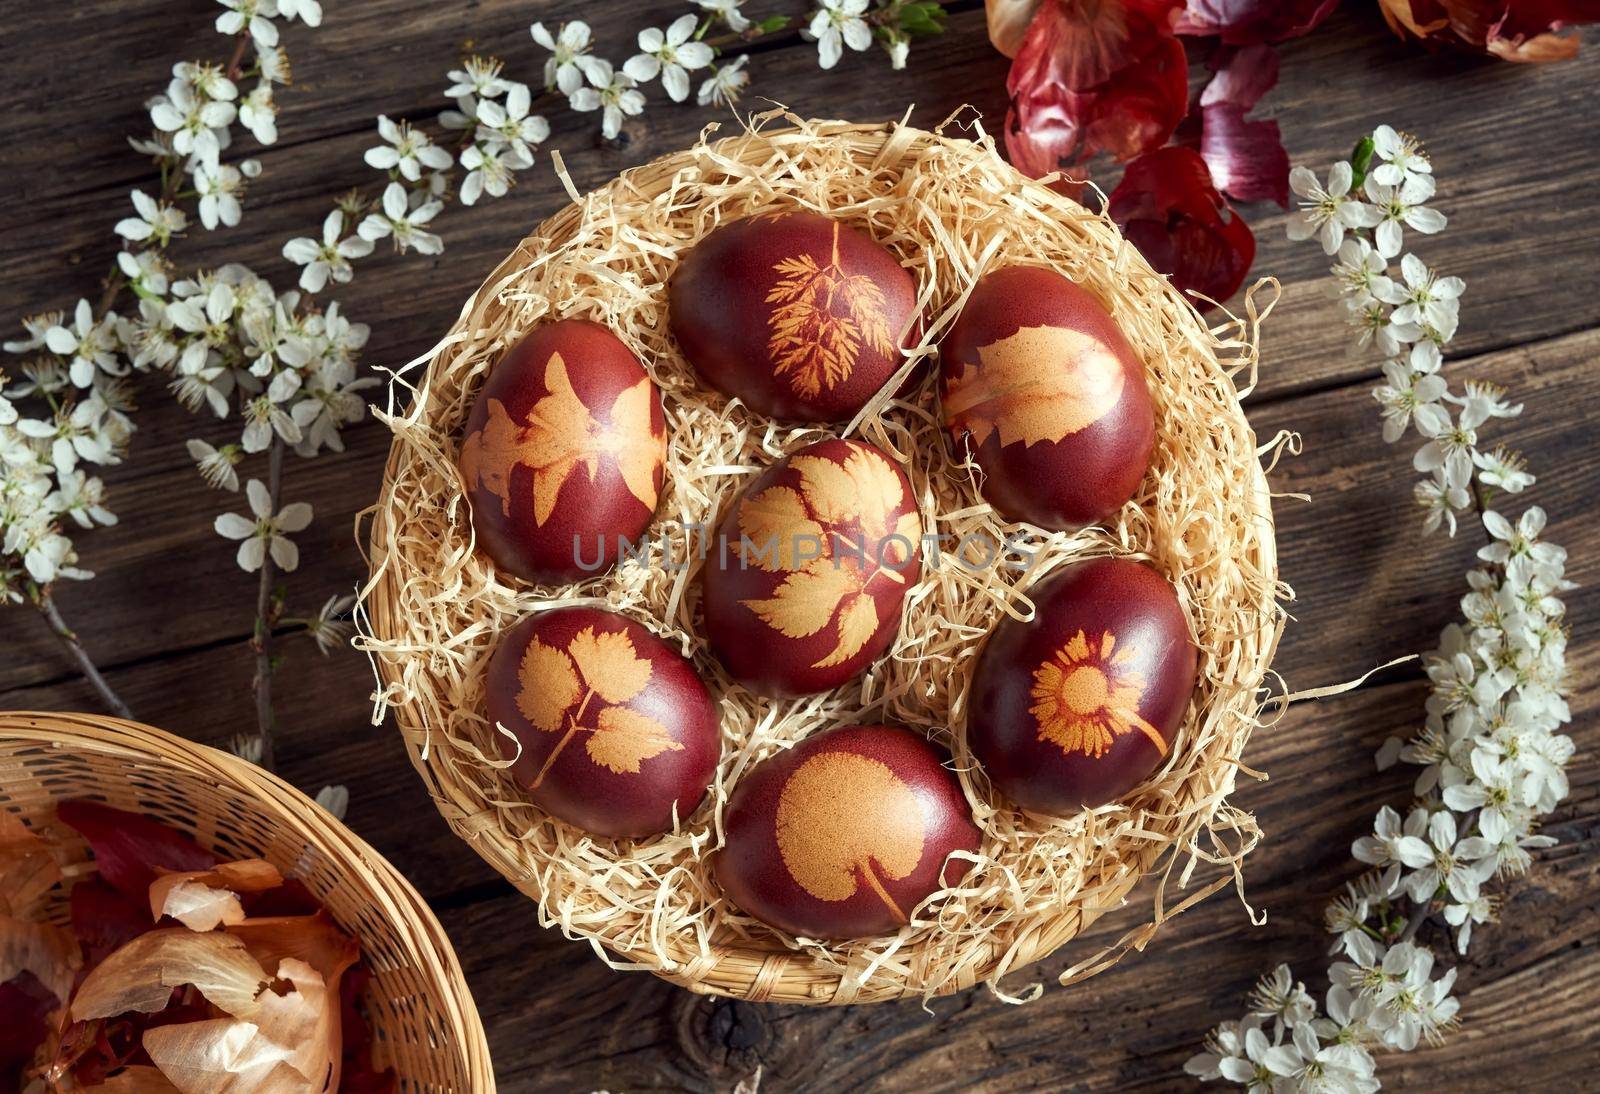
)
(563, 453)
(842, 835)
(617, 732)
(805, 575)
(1075, 708)
(1040, 386)
(797, 314)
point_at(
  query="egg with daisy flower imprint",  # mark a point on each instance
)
(805, 576)
(799, 315)
(1077, 706)
(563, 454)
(611, 729)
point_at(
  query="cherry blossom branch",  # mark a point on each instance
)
(46, 606)
(268, 608)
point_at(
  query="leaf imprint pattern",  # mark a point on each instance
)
(559, 435)
(1039, 384)
(841, 815)
(820, 320)
(841, 512)
(558, 687)
(1087, 694)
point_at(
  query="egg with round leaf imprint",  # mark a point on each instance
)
(797, 314)
(615, 732)
(803, 583)
(563, 453)
(845, 833)
(1039, 385)
(1078, 706)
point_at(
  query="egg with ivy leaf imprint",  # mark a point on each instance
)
(806, 573)
(614, 732)
(1077, 706)
(844, 834)
(797, 314)
(1040, 387)
(563, 453)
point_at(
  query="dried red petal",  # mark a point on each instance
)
(25, 1008)
(104, 919)
(1168, 208)
(129, 848)
(1251, 22)
(1513, 30)
(357, 1073)
(1095, 76)
(1247, 158)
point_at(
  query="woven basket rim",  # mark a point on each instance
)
(425, 938)
(776, 973)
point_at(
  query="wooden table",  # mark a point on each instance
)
(170, 614)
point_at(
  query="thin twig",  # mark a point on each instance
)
(69, 638)
(266, 619)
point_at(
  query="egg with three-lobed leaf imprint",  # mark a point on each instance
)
(563, 453)
(1041, 388)
(845, 833)
(806, 572)
(614, 730)
(797, 314)
(1078, 706)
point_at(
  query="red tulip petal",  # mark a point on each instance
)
(1250, 22)
(1168, 208)
(130, 849)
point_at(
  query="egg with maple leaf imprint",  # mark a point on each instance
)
(805, 576)
(614, 730)
(1041, 388)
(563, 454)
(844, 834)
(1077, 706)
(797, 314)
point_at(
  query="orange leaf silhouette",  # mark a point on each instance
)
(625, 738)
(549, 686)
(609, 665)
(776, 522)
(1087, 695)
(841, 815)
(821, 319)
(1039, 384)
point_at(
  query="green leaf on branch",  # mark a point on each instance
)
(772, 24)
(1360, 160)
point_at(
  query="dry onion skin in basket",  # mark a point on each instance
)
(949, 208)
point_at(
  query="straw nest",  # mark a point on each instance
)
(950, 208)
(424, 1022)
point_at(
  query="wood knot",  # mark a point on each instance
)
(725, 1039)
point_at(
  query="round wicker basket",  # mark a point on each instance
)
(949, 207)
(424, 1023)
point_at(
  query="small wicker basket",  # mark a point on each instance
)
(424, 1023)
(950, 208)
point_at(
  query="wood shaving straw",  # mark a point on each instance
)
(950, 208)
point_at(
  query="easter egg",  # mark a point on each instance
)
(1075, 708)
(797, 314)
(806, 572)
(615, 732)
(563, 453)
(1039, 386)
(842, 835)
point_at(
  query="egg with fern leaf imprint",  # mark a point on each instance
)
(1079, 705)
(807, 570)
(799, 315)
(614, 732)
(1040, 387)
(844, 834)
(563, 454)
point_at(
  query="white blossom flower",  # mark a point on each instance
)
(1515, 540)
(899, 49)
(488, 172)
(405, 226)
(35, 327)
(839, 23)
(1440, 502)
(1451, 868)
(264, 534)
(147, 271)
(1377, 327)
(1448, 450)
(1402, 205)
(1235, 1051)
(612, 92)
(1483, 401)
(1283, 999)
(569, 60)
(1503, 469)
(308, 12)
(671, 55)
(1463, 915)
(1425, 299)
(266, 414)
(510, 123)
(726, 83)
(247, 746)
(1408, 396)
(194, 121)
(81, 498)
(157, 221)
(90, 343)
(408, 150)
(329, 258)
(728, 11)
(272, 65)
(1394, 842)
(478, 77)
(1401, 154)
(259, 114)
(329, 628)
(1328, 213)
(216, 465)
(219, 188)
(252, 15)
(335, 799)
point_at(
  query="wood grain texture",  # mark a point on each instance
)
(169, 614)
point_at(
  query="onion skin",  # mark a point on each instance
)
(1035, 684)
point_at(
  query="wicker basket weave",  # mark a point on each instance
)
(424, 1023)
(431, 612)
